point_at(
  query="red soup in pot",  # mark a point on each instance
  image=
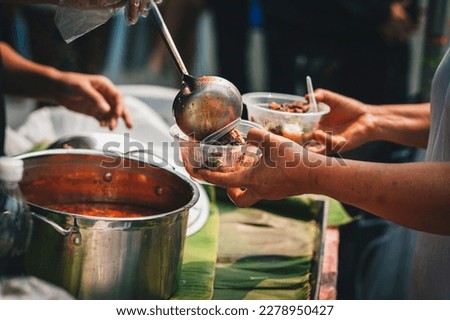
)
(106, 210)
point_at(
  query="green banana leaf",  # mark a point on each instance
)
(262, 252)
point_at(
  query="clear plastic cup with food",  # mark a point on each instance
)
(228, 151)
(284, 114)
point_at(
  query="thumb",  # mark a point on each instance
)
(242, 198)
(327, 143)
(256, 136)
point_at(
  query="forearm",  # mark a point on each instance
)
(26, 78)
(407, 124)
(416, 195)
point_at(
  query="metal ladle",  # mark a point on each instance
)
(204, 105)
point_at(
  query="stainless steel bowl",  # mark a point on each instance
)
(96, 257)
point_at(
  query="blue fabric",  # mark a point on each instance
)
(256, 15)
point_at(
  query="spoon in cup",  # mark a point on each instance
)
(311, 95)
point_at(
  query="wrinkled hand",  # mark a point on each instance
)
(277, 175)
(93, 95)
(348, 125)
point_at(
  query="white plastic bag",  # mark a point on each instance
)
(73, 23)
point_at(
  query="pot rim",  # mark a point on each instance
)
(44, 153)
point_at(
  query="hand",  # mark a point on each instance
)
(134, 8)
(281, 172)
(93, 95)
(397, 29)
(348, 125)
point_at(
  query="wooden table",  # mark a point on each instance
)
(328, 281)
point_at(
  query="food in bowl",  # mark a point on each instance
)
(96, 257)
(269, 110)
(295, 106)
(233, 137)
(228, 153)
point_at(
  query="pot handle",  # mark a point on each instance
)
(54, 225)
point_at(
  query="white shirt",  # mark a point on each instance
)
(430, 276)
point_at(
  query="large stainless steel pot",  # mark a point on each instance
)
(106, 258)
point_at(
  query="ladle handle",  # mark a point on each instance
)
(167, 38)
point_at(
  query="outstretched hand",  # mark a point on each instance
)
(347, 126)
(93, 95)
(282, 171)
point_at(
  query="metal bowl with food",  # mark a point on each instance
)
(106, 226)
(284, 114)
(123, 144)
(228, 152)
